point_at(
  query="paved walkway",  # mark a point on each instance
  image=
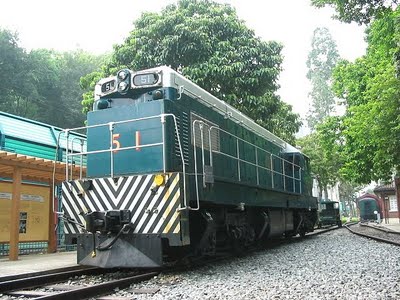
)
(37, 262)
(392, 226)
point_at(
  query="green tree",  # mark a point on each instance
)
(370, 87)
(360, 11)
(347, 195)
(325, 161)
(325, 149)
(75, 65)
(16, 90)
(54, 80)
(43, 85)
(321, 61)
(46, 65)
(209, 44)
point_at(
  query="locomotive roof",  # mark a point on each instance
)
(368, 196)
(171, 78)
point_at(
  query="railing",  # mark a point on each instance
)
(295, 170)
(26, 247)
(72, 152)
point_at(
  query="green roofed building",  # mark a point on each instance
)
(28, 137)
(39, 140)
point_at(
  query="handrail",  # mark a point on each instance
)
(256, 164)
(201, 125)
(111, 150)
(196, 180)
(82, 143)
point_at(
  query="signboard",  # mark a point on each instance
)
(34, 212)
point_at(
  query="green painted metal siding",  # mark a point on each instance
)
(230, 187)
(25, 129)
(130, 161)
(226, 168)
(28, 137)
(29, 148)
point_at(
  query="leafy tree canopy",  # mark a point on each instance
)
(49, 90)
(14, 65)
(209, 44)
(322, 149)
(360, 11)
(371, 88)
(321, 61)
(57, 83)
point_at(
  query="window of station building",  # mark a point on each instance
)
(393, 203)
(23, 217)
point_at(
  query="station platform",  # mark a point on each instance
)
(37, 262)
(391, 226)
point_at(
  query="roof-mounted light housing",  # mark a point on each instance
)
(123, 81)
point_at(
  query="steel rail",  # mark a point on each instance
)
(98, 289)
(39, 273)
(387, 230)
(322, 230)
(374, 237)
(43, 278)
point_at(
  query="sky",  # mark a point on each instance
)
(96, 25)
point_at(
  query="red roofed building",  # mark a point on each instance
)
(389, 194)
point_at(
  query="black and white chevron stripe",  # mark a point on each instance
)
(151, 212)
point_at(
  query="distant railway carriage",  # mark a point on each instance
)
(329, 214)
(369, 208)
(173, 171)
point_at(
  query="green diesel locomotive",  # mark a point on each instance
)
(171, 171)
(329, 214)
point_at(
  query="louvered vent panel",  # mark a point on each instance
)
(183, 128)
(206, 138)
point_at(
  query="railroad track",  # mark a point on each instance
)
(80, 270)
(323, 230)
(376, 233)
(56, 284)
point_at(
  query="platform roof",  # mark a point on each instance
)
(23, 167)
(33, 168)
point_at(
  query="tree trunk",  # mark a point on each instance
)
(319, 190)
(326, 193)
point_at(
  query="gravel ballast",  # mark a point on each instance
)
(335, 265)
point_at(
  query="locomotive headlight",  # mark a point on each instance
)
(122, 86)
(159, 179)
(122, 75)
(103, 103)
(158, 94)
